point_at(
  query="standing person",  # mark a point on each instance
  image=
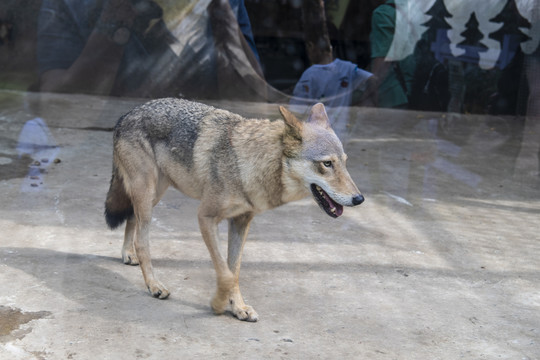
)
(329, 80)
(124, 48)
(98, 47)
(394, 77)
(528, 160)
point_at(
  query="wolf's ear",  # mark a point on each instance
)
(291, 120)
(318, 116)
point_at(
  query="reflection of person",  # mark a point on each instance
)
(332, 82)
(528, 161)
(328, 80)
(239, 9)
(394, 78)
(115, 47)
(239, 74)
(83, 46)
(37, 142)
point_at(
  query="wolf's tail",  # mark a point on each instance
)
(118, 205)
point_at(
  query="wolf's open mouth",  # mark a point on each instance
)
(325, 202)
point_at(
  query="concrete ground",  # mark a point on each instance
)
(440, 262)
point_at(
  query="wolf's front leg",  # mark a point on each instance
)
(238, 230)
(225, 279)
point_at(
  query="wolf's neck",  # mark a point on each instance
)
(293, 187)
(258, 147)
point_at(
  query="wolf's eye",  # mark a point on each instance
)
(327, 164)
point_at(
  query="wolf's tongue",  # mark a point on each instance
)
(334, 207)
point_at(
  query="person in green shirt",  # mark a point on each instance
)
(394, 77)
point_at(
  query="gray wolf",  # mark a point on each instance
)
(236, 167)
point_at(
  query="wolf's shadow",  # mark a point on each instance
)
(87, 280)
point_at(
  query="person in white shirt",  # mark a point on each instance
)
(332, 82)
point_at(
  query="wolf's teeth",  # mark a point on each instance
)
(333, 210)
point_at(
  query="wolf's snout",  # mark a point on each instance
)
(357, 200)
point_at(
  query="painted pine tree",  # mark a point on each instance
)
(430, 89)
(510, 34)
(472, 43)
(437, 30)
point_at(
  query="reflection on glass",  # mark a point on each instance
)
(447, 56)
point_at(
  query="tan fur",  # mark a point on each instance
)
(236, 167)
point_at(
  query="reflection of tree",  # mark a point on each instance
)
(472, 44)
(438, 14)
(509, 35)
(430, 86)
(470, 86)
(436, 34)
(511, 96)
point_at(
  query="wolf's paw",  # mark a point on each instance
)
(158, 290)
(130, 258)
(219, 304)
(220, 301)
(245, 313)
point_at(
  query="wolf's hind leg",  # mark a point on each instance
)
(129, 256)
(142, 248)
(146, 191)
(238, 230)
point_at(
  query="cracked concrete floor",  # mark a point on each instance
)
(440, 262)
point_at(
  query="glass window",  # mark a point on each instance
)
(390, 150)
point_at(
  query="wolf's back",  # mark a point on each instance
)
(162, 119)
(173, 122)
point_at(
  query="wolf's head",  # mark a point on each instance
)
(316, 158)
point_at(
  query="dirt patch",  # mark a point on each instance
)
(11, 320)
(12, 166)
